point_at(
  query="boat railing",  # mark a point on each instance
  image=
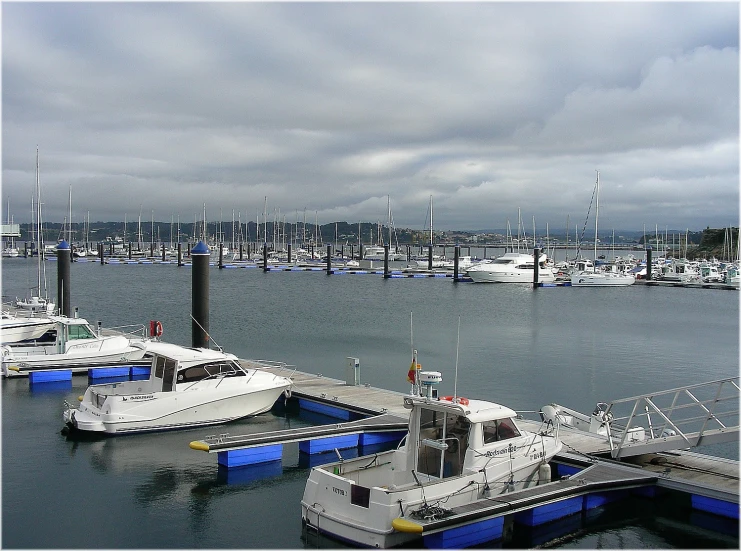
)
(129, 331)
(683, 417)
(282, 369)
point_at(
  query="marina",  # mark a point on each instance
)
(372, 377)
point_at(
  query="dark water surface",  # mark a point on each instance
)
(520, 347)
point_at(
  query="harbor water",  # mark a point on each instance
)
(518, 346)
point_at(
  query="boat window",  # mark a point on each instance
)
(204, 371)
(169, 374)
(502, 429)
(159, 367)
(360, 495)
(79, 332)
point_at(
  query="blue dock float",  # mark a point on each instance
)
(50, 376)
(106, 372)
(325, 409)
(551, 511)
(466, 536)
(250, 456)
(139, 371)
(715, 506)
(328, 443)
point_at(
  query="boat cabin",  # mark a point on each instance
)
(174, 365)
(448, 438)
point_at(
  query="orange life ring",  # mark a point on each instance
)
(155, 328)
(461, 401)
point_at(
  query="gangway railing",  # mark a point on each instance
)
(685, 417)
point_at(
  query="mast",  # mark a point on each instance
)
(431, 226)
(596, 218)
(39, 238)
(69, 228)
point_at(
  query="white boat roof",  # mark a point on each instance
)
(476, 411)
(186, 355)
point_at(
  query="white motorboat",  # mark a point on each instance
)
(77, 347)
(511, 268)
(458, 451)
(22, 328)
(602, 279)
(35, 305)
(187, 387)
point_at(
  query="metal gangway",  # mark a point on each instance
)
(680, 418)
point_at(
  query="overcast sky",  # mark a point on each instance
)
(328, 109)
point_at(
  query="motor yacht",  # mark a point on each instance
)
(511, 267)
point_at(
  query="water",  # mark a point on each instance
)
(521, 347)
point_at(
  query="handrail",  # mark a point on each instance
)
(687, 414)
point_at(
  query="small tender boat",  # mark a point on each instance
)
(457, 452)
(76, 346)
(187, 387)
(21, 328)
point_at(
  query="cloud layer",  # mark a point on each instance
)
(331, 108)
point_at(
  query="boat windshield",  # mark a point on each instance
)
(503, 261)
(75, 332)
(212, 369)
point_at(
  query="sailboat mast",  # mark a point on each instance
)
(39, 237)
(596, 218)
(431, 226)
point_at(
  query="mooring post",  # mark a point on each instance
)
(199, 324)
(648, 263)
(100, 252)
(180, 254)
(129, 250)
(329, 259)
(386, 273)
(429, 258)
(289, 253)
(151, 250)
(111, 248)
(221, 256)
(163, 252)
(64, 259)
(536, 258)
(456, 256)
(264, 257)
(241, 252)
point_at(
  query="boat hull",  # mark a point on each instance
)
(326, 505)
(16, 363)
(491, 276)
(601, 280)
(146, 412)
(24, 329)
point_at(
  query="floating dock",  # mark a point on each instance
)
(584, 474)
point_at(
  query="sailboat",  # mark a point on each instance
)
(594, 278)
(36, 304)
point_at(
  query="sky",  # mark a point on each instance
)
(496, 112)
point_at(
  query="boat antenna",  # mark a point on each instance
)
(457, 345)
(207, 333)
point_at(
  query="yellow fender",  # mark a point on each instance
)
(401, 524)
(199, 445)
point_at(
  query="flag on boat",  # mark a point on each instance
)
(411, 375)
